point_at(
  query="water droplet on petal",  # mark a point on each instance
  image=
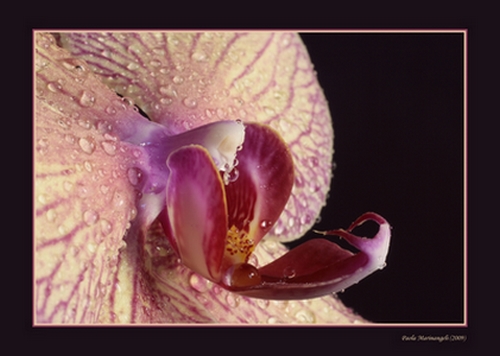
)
(231, 176)
(232, 300)
(88, 166)
(279, 228)
(90, 217)
(134, 175)
(132, 66)
(85, 124)
(54, 87)
(70, 138)
(155, 63)
(242, 275)
(106, 227)
(305, 316)
(166, 101)
(289, 272)
(178, 79)
(111, 110)
(263, 303)
(270, 245)
(198, 283)
(63, 123)
(68, 186)
(305, 219)
(109, 147)
(199, 56)
(51, 215)
(265, 224)
(87, 144)
(118, 199)
(92, 247)
(42, 199)
(189, 102)
(253, 260)
(87, 99)
(272, 320)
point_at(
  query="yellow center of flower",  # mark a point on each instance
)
(239, 246)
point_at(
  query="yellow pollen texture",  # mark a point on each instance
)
(238, 246)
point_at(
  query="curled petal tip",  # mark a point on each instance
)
(317, 267)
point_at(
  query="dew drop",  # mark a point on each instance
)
(134, 175)
(87, 145)
(68, 186)
(209, 113)
(70, 138)
(42, 199)
(118, 199)
(305, 219)
(63, 123)
(178, 79)
(132, 66)
(82, 192)
(90, 217)
(305, 316)
(263, 303)
(84, 123)
(189, 102)
(221, 113)
(111, 110)
(272, 320)
(106, 227)
(155, 63)
(75, 65)
(279, 228)
(269, 111)
(51, 215)
(88, 166)
(62, 230)
(54, 87)
(253, 260)
(198, 283)
(270, 245)
(242, 275)
(87, 99)
(132, 214)
(92, 247)
(313, 161)
(289, 272)
(199, 56)
(231, 176)
(166, 101)
(232, 300)
(109, 147)
(266, 224)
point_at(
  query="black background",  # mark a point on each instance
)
(397, 105)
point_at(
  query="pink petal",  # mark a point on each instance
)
(196, 208)
(160, 289)
(264, 181)
(83, 199)
(185, 80)
(319, 267)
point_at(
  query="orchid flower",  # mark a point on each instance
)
(168, 169)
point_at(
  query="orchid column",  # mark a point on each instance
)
(150, 221)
